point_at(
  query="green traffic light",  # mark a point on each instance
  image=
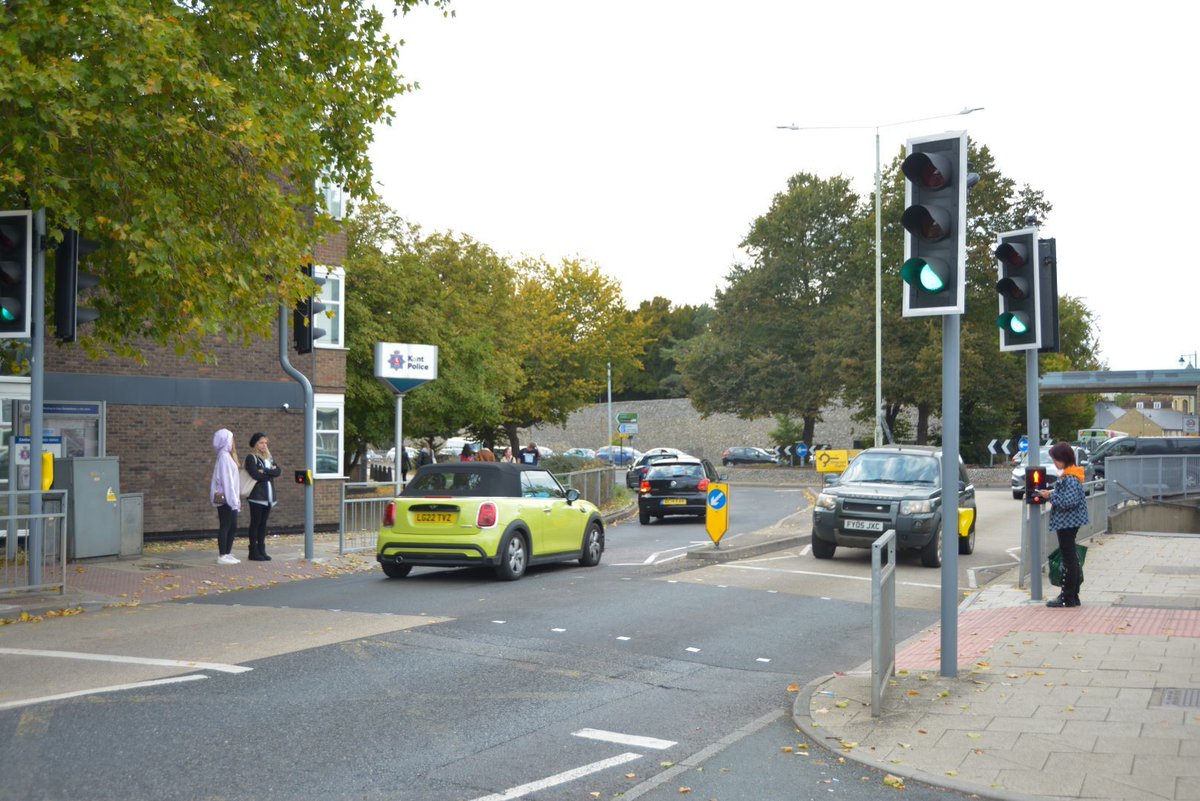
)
(1013, 322)
(919, 272)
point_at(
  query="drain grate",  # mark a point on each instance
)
(163, 566)
(1186, 697)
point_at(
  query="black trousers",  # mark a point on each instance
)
(227, 519)
(258, 528)
(1072, 573)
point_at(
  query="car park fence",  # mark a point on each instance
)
(21, 570)
(1097, 503)
(883, 617)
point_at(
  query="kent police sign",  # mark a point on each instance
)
(404, 366)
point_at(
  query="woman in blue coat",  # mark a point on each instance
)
(1068, 511)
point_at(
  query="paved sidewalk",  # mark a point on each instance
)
(178, 570)
(1096, 702)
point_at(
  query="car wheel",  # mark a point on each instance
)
(931, 554)
(1018, 495)
(822, 549)
(644, 518)
(513, 557)
(966, 545)
(393, 570)
(593, 546)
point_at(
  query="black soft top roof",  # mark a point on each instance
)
(468, 479)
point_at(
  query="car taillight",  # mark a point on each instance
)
(487, 515)
(645, 487)
(389, 515)
(703, 485)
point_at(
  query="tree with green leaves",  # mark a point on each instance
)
(666, 325)
(189, 139)
(766, 349)
(572, 323)
(440, 289)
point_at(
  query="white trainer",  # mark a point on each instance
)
(228, 559)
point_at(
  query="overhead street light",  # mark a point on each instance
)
(1193, 362)
(878, 242)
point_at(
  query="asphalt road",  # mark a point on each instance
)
(637, 677)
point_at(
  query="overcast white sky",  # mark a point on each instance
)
(641, 134)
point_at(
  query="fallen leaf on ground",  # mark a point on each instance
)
(793, 688)
(895, 782)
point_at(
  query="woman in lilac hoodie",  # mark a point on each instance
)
(223, 494)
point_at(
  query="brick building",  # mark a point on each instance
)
(158, 418)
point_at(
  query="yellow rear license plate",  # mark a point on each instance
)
(674, 501)
(434, 517)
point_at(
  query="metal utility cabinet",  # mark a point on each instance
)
(93, 504)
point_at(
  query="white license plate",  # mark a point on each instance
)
(863, 525)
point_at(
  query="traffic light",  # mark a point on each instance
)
(935, 225)
(1035, 481)
(69, 282)
(1020, 290)
(304, 330)
(16, 273)
(303, 477)
(1048, 286)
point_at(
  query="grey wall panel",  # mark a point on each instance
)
(160, 391)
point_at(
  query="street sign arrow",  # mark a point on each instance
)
(992, 447)
(1004, 447)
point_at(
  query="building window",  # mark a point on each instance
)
(330, 437)
(331, 320)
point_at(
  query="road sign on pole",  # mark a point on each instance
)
(628, 429)
(627, 417)
(1023, 444)
(716, 520)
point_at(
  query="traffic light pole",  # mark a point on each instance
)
(310, 427)
(1033, 511)
(951, 329)
(37, 393)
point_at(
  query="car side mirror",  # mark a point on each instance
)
(572, 495)
(831, 479)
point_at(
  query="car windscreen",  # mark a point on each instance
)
(892, 468)
(460, 483)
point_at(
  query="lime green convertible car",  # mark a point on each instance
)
(506, 516)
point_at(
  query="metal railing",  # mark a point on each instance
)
(361, 514)
(883, 617)
(595, 485)
(20, 570)
(1155, 479)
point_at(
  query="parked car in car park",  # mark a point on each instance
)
(579, 453)
(504, 516)
(745, 455)
(618, 454)
(675, 486)
(891, 487)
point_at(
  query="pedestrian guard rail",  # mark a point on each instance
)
(363, 503)
(33, 547)
(1152, 479)
(883, 617)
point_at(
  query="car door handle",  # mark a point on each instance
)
(547, 510)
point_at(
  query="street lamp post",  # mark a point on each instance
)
(1189, 363)
(878, 245)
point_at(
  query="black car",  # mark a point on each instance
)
(637, 472)
(677, 486)
(892, 487)
(747, 456)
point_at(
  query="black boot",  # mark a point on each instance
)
(1058, 602)
(256, 549)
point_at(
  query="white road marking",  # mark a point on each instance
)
(560, 778)
(672, 558)
(631, 740)
(692, 650)
(806, 550)
(560, 631)
(497, 621)
(623, 639)
(825, 575)
(97, 690)
(762, 659)
(781, 491)
(129, 660)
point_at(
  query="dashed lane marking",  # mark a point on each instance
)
(825, 575)
(631, 740)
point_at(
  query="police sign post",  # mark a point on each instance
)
(716, 521)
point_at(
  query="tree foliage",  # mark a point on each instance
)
(189, 138)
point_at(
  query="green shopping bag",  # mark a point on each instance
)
(1056, 565)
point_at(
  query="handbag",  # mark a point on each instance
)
(218, 498)
(1056, 565)
(247, 485)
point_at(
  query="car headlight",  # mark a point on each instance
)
(826, 501)
(916, 507)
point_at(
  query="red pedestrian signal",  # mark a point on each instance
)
(1035, 482)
